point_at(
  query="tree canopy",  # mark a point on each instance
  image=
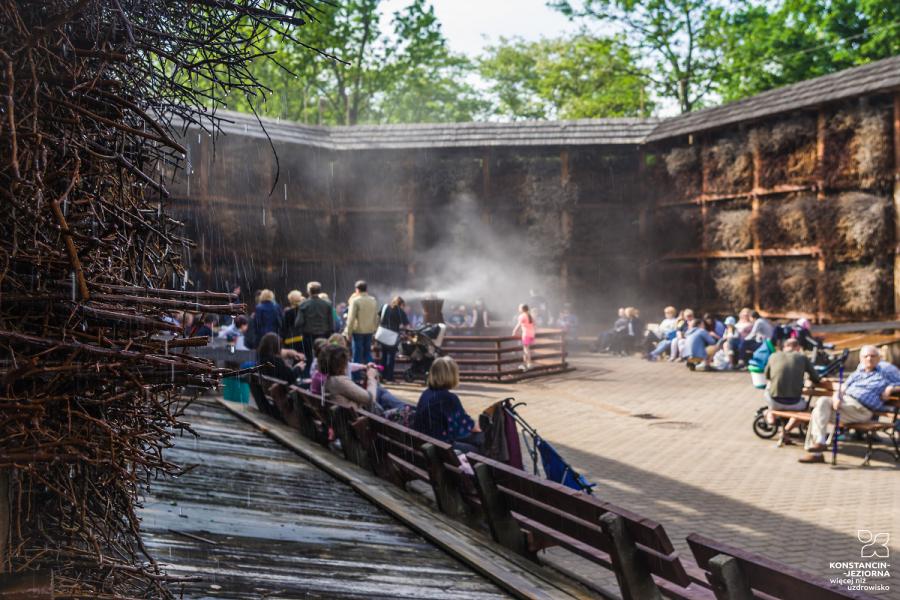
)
(565, 78)
(690, 53)
(405, 75)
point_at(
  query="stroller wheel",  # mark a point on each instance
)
(762, 429)
(408, 376)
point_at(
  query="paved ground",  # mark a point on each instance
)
(697, 466)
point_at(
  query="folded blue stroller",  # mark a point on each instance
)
(555, 467)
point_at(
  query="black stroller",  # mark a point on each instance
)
(420, 347)
(762, 428)
(554, 466)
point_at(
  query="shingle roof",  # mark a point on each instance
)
(608, 132)
(879, 76)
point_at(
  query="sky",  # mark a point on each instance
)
(470, 25)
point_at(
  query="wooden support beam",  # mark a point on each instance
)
(821, 129)
(754, 253)
(564, 168)
(897, 203)
(729, 582)
(758, 191)
(411, 243)
(504, 528)
(756, 265)
(635, 580)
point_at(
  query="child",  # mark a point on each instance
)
(525, 323)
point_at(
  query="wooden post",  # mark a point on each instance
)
(5, 516)
(635, 580)
(897, 203)
(504, 528)
(564, 168)
(820, 154)
(756, 264)
(728, 581)
(821, 265)
(410, 243)
(449, 499)
(565, 226)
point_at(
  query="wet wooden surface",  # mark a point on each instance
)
(253, 520)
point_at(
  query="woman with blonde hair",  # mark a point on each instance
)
(440, 414)
(267, 317)
(292, 337)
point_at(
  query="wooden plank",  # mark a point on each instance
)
(27, 586)
(897, 203)
(750, 254)
(771, 577)
(518, 576)
(821, 131)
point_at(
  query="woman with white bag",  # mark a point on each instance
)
(393, 319)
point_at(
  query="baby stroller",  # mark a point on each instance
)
(421, 346)
(762, 429)
(554, 466)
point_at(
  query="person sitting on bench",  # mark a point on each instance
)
(864, 393)
(272, 359)
(441, 415)
(333, 362)
(785, 371)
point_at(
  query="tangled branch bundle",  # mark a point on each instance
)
(92, 91)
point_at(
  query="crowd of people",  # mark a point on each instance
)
(705, 342)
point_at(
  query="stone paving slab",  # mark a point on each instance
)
(696, 465)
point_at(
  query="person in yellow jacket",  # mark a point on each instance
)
(362, 321)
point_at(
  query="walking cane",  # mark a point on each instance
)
(837, 417)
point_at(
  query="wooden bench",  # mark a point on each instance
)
(528, 514)
(825, 390)
(738, 575)
(400, 454)
(261, 388)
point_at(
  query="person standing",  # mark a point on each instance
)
(314, 319)
(479, 318)
(362, 321)
(291, 336)
(267, 317)
(525, 324)
(393, 317)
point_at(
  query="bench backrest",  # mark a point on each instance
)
(552, 514)
(750, 573)
(402, 445)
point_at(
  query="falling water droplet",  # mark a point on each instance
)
(73, 286)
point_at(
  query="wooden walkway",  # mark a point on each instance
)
(254, 520)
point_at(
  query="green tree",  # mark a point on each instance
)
(566, 78)
(408, 74)
(765, 47)
(672, 34)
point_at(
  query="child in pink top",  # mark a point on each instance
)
(525, 323)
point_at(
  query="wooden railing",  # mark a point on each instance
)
(493, 354)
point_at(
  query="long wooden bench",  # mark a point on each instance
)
(739, 575)
(400, 454)
(824, 391)
(528, 514)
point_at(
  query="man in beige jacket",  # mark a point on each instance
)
(362, 321)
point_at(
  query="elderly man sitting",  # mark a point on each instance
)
(864, 393)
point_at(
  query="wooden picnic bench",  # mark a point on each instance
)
(825, 390)
(528, 514)
(400, 454)
(739, 575)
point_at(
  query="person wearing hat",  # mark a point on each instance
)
(731, 341)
